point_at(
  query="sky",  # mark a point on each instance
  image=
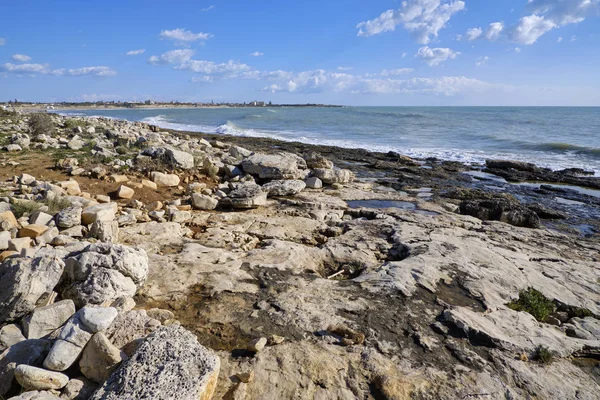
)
(350, 52)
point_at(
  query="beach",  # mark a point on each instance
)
(306, 270)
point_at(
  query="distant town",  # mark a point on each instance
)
(144, 104)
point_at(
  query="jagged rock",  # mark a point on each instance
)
(334, 175)
(247, 195)
(47, 236)
(179, 159)
(99, 358)
(202, 202)
(104, 272)
(69, 217)
(21, 139)
(508, 164)
(19, 244)
(8, 221)
(26, 179)
(32, 231)
(5, 237)
(316, 160)
(105, 231)
(100, 212)
(161, 179)
(284, 187)
(130, 326)
(13, 148)
(33, 378)
(257, 344)
(44, 320)
(30, 352)
(169, 364)
(40, 218)
(9, 335)
(239, 152)
(75, 144)
(501, 210)
(270, 166)
(24, 280)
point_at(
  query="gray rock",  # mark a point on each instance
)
(36, 395)
(105, 231)
(179, 159)
(239, 152)
(284, 187)
(170, 364)
(66, 350)
(21, 139)
(97, 318)
(202, 202)
(244, 196)
(9, 335)
(99, 212)
(280, 166)
(314, 183)
(44, 320)
(130, 326)
(334, 175)
(75, 144)
(23, 281)
(13, 148)
(33, 378)
(30, 352)
(78, 389)
(69, 217)
(47, 236)
(99, 358)
(316, 160)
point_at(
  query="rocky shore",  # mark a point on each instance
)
(142, 263)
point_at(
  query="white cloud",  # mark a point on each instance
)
(135, 52)
(202, 79)
(2, 41)
(423, 18)
(21, 57)
(182, 35)
(172, 57)
(473, 33)
(344, 68)
(530, 28)
(436, 56)
(494, 30)
(211, 68)
(396, 72)
(44, 69)
(257, 54)
(560, 39)
(517, 50)
(481, 61)
(211, 7)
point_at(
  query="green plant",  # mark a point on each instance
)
(533, 302)
(56, 204)
(41, 123)
(23, 208)
(122, 150)
(72, 123)
(543, 355)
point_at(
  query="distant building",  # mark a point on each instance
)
(257, 103)
(150, 102)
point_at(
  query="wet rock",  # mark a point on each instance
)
(545, 212)
(280, 166)
(23, 281)
(169, 364)
(284, 187)
(99, 358)
(507, 164)
(33, 378)
(501, 210)
(44, 320)
(69, 217)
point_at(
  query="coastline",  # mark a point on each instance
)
(318, 270)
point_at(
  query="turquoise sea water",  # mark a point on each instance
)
(554, 137)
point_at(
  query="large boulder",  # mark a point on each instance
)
(244, 196)
(23, 281)
(169, 364)
(45, 320)
(103, 272)
(179, 159)
(334, 175)
(274, 166)
(284, 187)
(501, 209)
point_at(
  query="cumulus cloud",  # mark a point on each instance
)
(182, 35)
(213, 68)
(202, 79)
(494, 30)
(530, 28)
(172, 57)
(473, 34)
(563, 12)
(257, 54)
(44, 69)
(135, 52)
(437, 56)
(481, 61)
(20, 57)
(423, 18)
(396, 72)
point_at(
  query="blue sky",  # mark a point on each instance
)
(380, 52)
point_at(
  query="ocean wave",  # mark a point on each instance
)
(561, 147)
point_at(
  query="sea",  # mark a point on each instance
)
(552, 137)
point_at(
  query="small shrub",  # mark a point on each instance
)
(56, 204)
(72, 123)
(533, 302)
(41, 124)
(23, 208)
(122, 150)
(543, 355)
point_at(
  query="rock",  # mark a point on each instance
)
(24, 281)
(507, 164)
(104, 272)
(70, 343)
(123, 304)
(19, 244)
(5, 237)
(26, 179)
(239, 152)
(78, 389)
(97, 318)
(179, 159)
(169, 364)
(32, 231)
(334, 175)
(40, 218)
(12, 148)
(98, 172)
(99, 358)
(45, 320)
(257, 345)
(105, 231)
(124, 192)
(149, 184)
(33, 378)
(154, 206)
(316, 160)
(284, 187)
(8, 221)
(47, 236)
(119, 178)
(130, 326)
(169, 180)
(75, 144)
(280, 166)
(30, 352)
(9, 335)
(314, 183)
(202, 202)
(21, 139)
(160, 314)
(500, 210)
(179, 216)
(99, 212)
(36, 395)
(247, 195)
(69, 217)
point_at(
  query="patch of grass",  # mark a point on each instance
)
(533, 302)
(121, 150)
(41, 124)
(73, 123)
(56, 204)
(543, 355)
(24, 208)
